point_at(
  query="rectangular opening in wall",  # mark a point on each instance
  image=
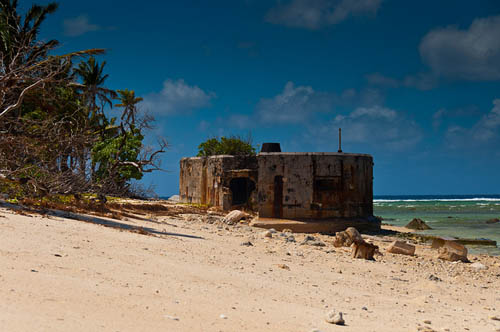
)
(324, 184)
(327, 192)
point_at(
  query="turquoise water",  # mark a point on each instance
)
(459, 216)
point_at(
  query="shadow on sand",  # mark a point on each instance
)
(94, 220)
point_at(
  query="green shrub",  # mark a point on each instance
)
(233, 145)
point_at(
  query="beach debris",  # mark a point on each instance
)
(347, 238)
(234, 216)
(453, 252)
(418, 224)
(222, 316)
(312, 241)
(334, 317)
(402, 248)
(172, 317)
(495, 318)
(493, 221)
(364, 250)
(247, 244)
(478, 266)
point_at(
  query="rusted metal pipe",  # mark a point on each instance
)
(340, 140)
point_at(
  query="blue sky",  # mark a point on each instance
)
(414, 83)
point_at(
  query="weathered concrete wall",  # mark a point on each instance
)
(191, 180)
(315, 185)
(207, 180)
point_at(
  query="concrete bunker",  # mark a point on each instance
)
(317, 191)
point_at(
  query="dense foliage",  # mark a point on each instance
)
(226, 145)
(56, 136)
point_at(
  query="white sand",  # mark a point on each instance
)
(112, 280)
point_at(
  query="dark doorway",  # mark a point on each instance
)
(278, 197)
(241, 188)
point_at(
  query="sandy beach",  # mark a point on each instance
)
(191, 273)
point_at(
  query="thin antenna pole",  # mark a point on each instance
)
(340, 140)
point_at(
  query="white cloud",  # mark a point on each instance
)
(314, 14)
(294, 105)
(485, 132)
(471, 54)
(376, 125)
(176, 97)
(78, 26)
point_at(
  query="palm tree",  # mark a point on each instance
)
(25, 62)
(91, 74)
(128, 102)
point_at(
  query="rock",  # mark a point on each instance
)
(418, 224)
(453, 251)
(434, 278)
(312, 241)
(493, 221)
(478, 266)
(284, 267)
(364, 250)
(287, 230)
(334, 317)
(347, 238)
(174, 198)
(426, 329)
(234, 216)
(402, 248)
(342, 240)
(267, 234)
(354, 235)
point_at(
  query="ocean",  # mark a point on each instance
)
(461, 216)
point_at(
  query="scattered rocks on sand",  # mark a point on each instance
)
(418, 224)
(364, 250)
(347, 238)
(334, 317)
(493, 221)
(453, 251)
(234, 216)
(402, 248)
